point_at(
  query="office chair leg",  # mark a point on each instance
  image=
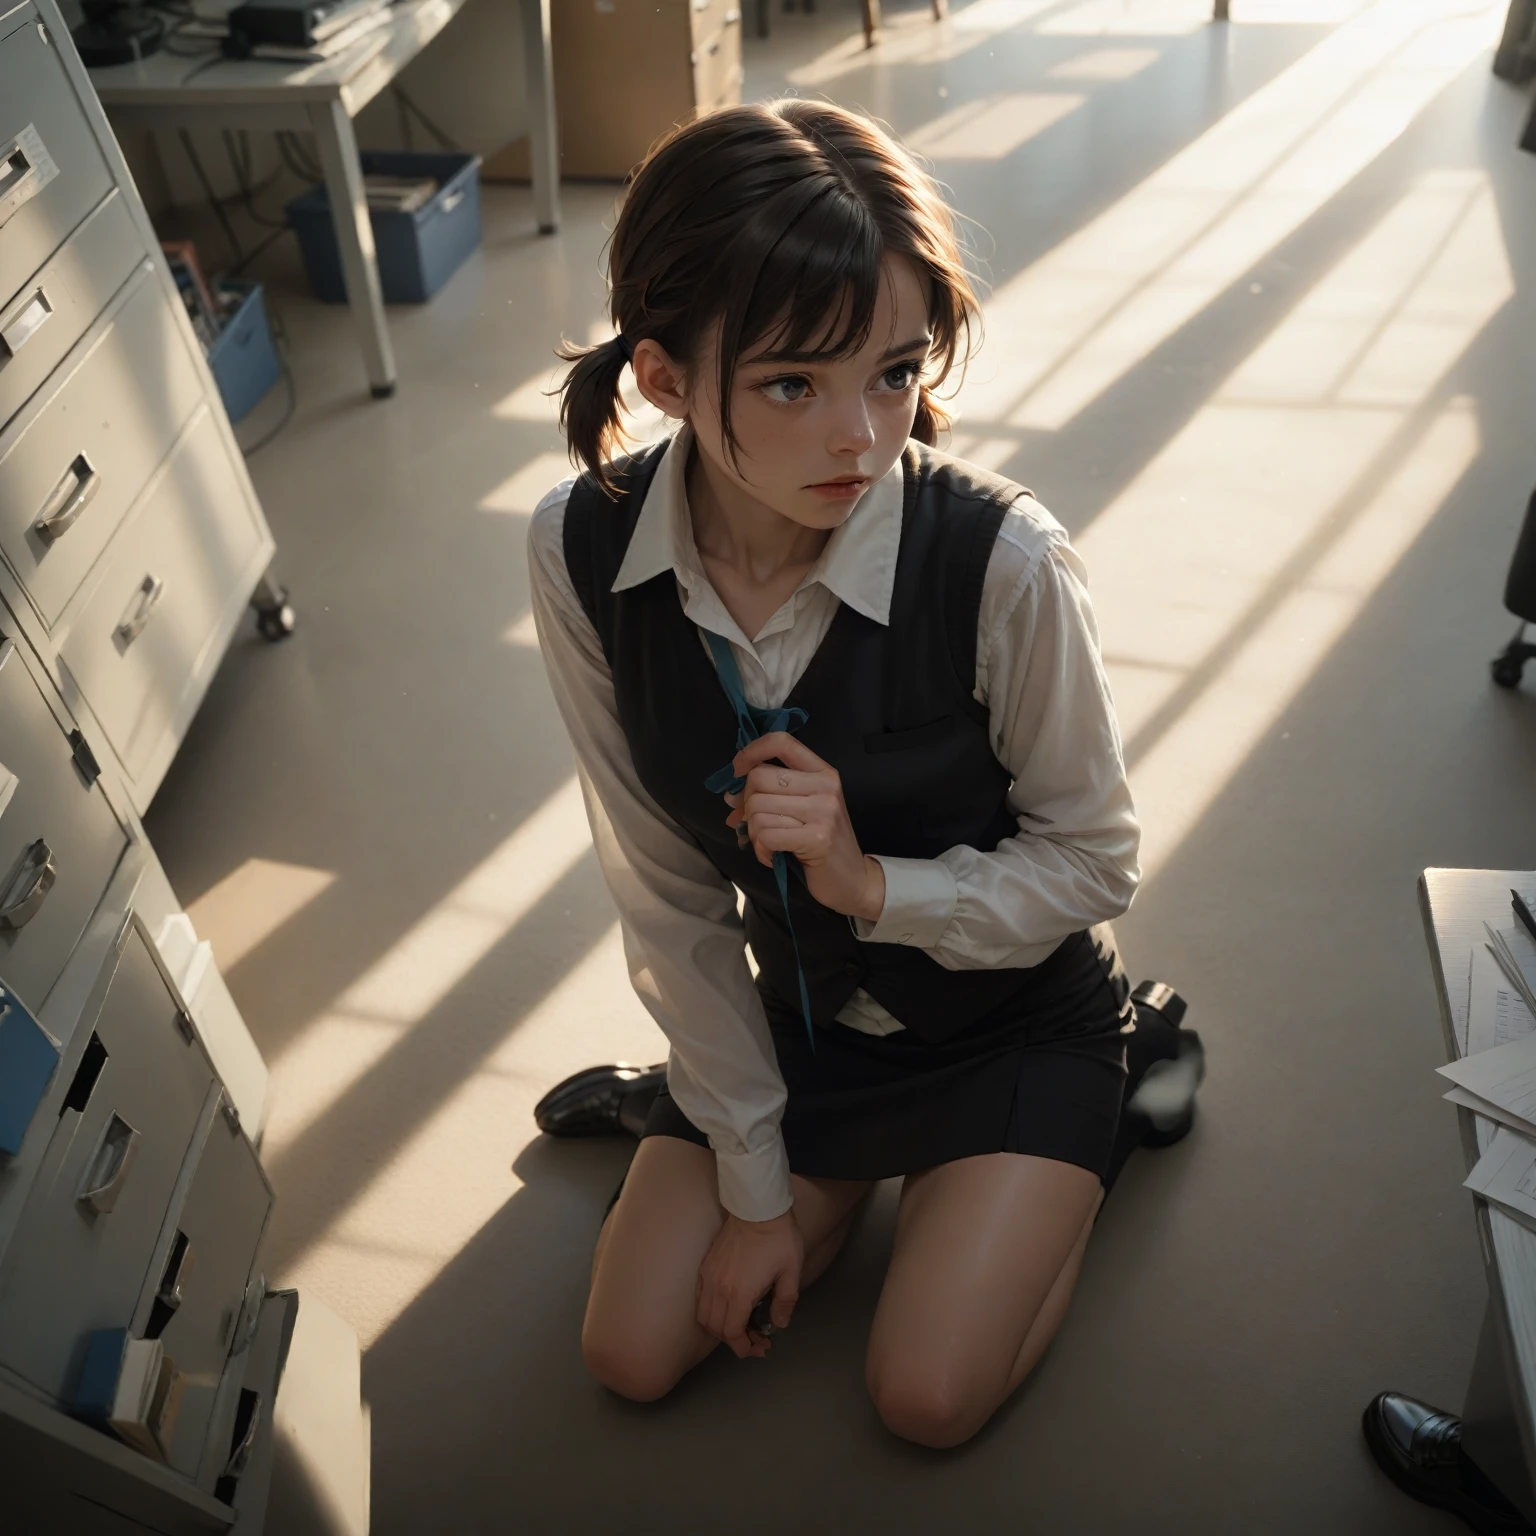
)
(1509, 664)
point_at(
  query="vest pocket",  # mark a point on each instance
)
(913, 736)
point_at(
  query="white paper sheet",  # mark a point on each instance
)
(1506, 1175)
(1497, 1013)
(1505, 1076)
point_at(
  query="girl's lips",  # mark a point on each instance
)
(839, 489)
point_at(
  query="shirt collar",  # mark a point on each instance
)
(858, 566)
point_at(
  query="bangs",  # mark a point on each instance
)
(815, 277)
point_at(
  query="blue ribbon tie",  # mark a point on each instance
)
(750, 724)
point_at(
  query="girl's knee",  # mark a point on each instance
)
(926, 1407)
(627, 1367)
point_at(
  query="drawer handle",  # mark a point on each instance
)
(25, 322)
(110, 1167)
(450, 202)
(15, 172)
(178, 1270)
(68, 499)
(29, 887)
(151, 590)
(240, 1452)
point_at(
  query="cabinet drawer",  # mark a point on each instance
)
(52, 803)
(51, 169)
(138, 643)
(86, 452)
(717, 67)
(217, 1234)
(54, 306)
(72, 1268)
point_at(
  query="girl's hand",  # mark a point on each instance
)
(747, 1259)
(798, 808)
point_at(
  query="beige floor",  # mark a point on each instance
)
(1259, 334)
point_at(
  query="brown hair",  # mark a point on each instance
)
(771, 218)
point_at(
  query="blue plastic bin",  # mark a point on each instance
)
(243, 359)
(417, 252)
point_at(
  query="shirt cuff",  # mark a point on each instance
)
(754, 1185)
(920, 898)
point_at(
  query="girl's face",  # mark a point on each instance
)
(811, 437)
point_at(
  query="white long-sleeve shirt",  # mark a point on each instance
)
(1038, 672)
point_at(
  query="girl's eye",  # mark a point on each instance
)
(787, 390)
(900, 378)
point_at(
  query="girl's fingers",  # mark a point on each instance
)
(771, 779)
(780, 744)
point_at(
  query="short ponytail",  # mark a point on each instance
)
(591, 406)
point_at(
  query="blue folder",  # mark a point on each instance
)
(28, 1057)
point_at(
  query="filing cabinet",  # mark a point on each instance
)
(126, 514)
(136, 1199)
(133, 1203)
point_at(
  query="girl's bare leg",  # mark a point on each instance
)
(641, 1334)
(987, 1254)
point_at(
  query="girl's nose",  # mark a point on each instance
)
(852, 432)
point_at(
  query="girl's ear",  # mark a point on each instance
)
(661, 380)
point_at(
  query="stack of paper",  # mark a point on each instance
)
(1496, 1077)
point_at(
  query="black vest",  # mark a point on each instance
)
(889, 706)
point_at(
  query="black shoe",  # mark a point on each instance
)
(602, 1101)
(1172, 1066)
(1164, 1067)
(1419, 1448)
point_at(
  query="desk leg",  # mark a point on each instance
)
(872, 19)
(332, 129)
(543, 126)
(1490, 1432)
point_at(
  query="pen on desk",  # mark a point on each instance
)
(1523, 912)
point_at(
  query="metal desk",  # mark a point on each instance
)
(1499, 1419)
(168, 91)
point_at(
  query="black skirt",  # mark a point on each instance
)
(1047, 1082)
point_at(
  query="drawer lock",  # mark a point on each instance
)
(29, 886)
(110, 1167)
(68, 499)
(151, 590)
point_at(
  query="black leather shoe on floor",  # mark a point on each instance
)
(1164, 1067)
(1419, 1448)
(602, 1101)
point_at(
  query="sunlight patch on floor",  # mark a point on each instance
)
(439, 1187)
(992, 128)
(1216, 574)
(334, 1050)
(251, 903)
(1134, 18)
(1099, 303)
(1106, 64)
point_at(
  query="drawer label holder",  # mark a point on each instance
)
(26, 168)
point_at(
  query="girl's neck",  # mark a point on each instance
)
(731, 528)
